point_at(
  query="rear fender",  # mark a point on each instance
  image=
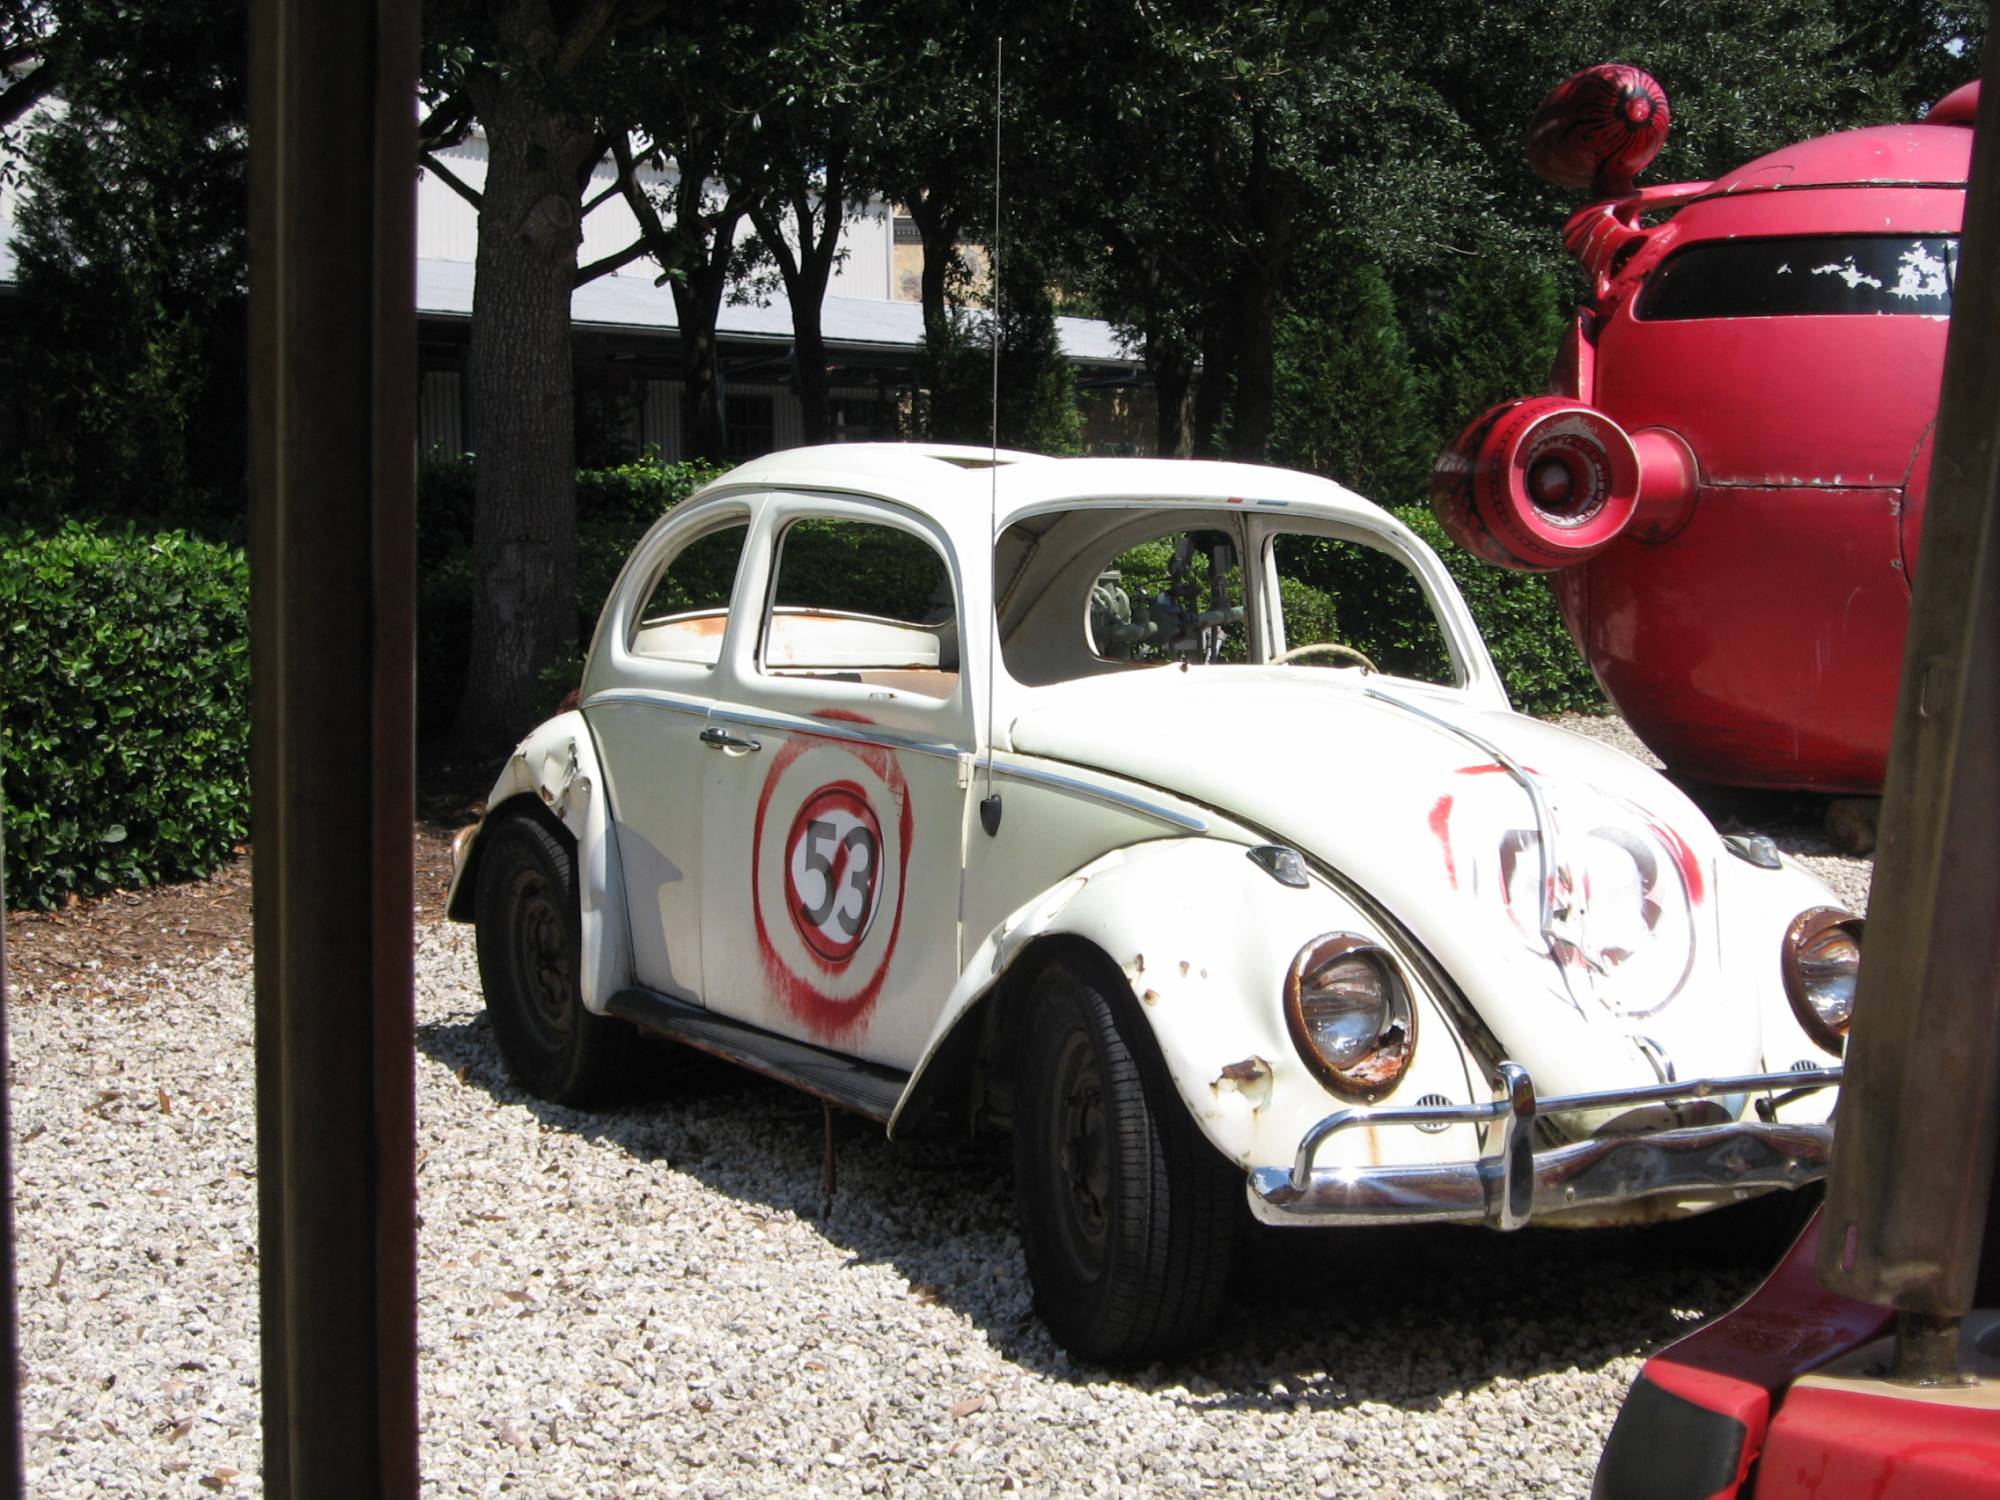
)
(1204, 939)
(556, 769)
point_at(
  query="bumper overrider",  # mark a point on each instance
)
(1507, 1188)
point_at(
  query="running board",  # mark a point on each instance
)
(865, 1088)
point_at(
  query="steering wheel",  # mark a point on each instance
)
(1325, 648)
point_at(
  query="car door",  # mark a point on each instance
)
(649, 702)
(834, 795)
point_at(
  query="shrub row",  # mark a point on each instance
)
(125, 737)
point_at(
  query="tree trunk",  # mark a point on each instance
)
(1218, 371)
(809, 350)
(697, 304)
(522, 394)
(1250, 412)
(806, 269)
(1272, 202)
(940, 241)
(1171, 366)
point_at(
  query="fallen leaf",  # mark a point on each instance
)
(166, 1104)
(970, 1405)
(181, 1429)
(924, 1291)
(56, 1275)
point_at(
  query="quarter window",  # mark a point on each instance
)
(687, 609)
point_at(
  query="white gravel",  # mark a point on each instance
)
(649, 1302)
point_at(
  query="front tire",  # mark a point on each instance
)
(1127, 1214)
(530, 956)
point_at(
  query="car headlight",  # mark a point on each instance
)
(1350, 1016)
(1822, 960)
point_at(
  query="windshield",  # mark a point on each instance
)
(1107, 589)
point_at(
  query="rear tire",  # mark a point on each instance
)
(530, 956)
(1127, 1213)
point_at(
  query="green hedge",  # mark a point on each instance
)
(125, 732)
(1541, 667)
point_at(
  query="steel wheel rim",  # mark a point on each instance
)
(543, 968)
(1082, 1140)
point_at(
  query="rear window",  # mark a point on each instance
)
(1816, 276)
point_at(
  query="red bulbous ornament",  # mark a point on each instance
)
(1599, 129)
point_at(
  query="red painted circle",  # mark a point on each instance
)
(831, 997)
(833, 870)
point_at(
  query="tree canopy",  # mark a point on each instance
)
(1314, 224)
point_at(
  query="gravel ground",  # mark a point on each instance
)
(650, 1301)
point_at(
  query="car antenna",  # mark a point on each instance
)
(989, 805)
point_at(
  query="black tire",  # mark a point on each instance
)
(530, 956)
(1127, 1213)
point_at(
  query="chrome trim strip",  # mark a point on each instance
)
(831, 729)
(646, 698)
(1508, 1188)
(790, 723)
(1103, 794)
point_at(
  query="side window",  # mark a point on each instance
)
(688, 606)
(1341, 594)
(1174, 597)
(855, 601)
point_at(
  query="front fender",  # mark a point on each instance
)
(1204, 938)
(556, 767)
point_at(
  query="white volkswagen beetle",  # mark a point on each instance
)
(1047, 794)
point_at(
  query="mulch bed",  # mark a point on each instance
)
(127, 930)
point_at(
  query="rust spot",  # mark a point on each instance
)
(1151, 997)
(1251, 1078)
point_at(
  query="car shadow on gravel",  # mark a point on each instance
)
(1403, 1317)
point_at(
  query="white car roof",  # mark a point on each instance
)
(956, 484)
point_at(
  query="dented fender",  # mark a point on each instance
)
(557, 765)
(1204, 939)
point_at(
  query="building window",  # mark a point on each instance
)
(750, 424)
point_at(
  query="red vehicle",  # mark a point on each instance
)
(1727, 482)
(1868, 1366)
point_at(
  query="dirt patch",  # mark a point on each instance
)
(126, 931)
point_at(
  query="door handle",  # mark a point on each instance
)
(722, 739)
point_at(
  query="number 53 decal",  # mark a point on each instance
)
(833, 859)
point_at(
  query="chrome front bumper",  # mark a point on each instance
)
(1509, 1187)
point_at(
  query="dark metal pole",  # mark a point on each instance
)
(333, 405)
(1920, 1111)
(10, 1335)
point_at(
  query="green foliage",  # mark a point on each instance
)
(1494, 339)
(1524, 630)
(1351, 403)
(132, 249)
(861, 568)
(1038, 411)
(126, 675)
(614, 508)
